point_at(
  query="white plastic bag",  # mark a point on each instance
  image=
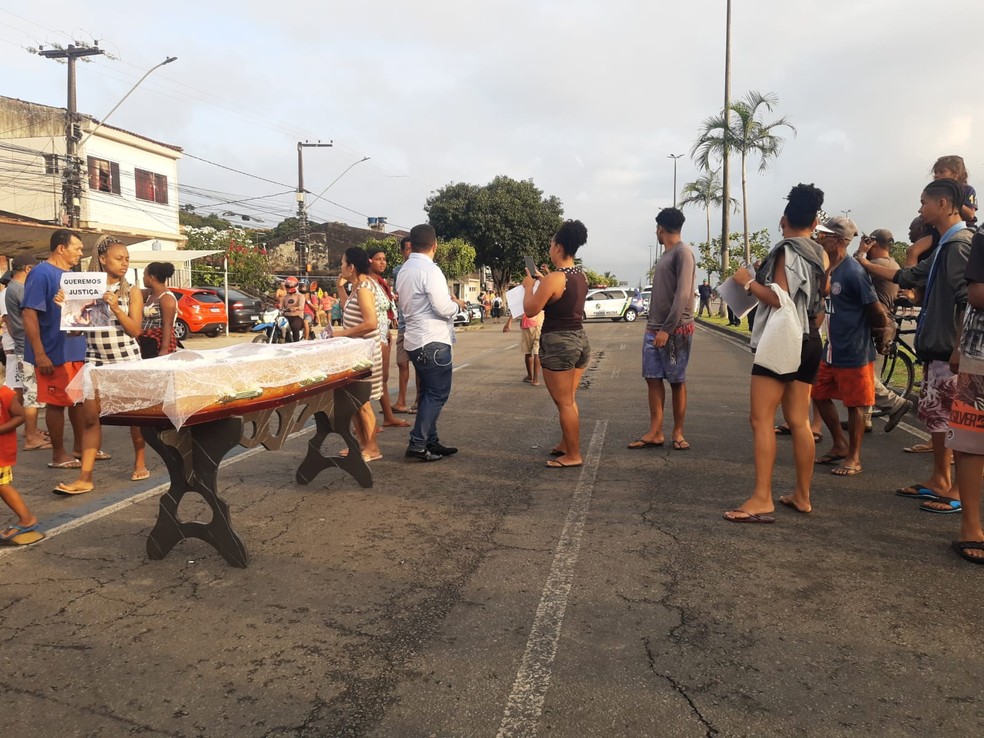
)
(781, 343)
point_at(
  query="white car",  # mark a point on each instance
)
(610, 302)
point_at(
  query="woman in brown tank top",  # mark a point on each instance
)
(564, 348)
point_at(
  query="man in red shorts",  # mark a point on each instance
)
(57, 357)
(847, 369)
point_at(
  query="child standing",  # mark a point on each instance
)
(11, 416)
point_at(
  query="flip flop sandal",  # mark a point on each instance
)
(140, 475)
(919, 448)
(846, 470)
(100, 456)
(18, 530)
(643, 443)
(63, 489)
(917, 492)
(953, 506)
(962, 547)
(555, 464)
(749, 518)
(828, 459)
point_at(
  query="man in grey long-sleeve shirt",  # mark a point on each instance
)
(669, 331)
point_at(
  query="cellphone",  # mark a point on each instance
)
(531, 266)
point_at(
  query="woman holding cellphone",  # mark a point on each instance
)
(564, 347)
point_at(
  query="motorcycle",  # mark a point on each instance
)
(274, 327)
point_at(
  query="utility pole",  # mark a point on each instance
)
(674, 157)
(72, 175)
(726, 153)
(302, 245)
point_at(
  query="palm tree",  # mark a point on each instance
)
(742, 130)
(707, 191)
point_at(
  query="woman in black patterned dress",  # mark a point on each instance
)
(107, 346)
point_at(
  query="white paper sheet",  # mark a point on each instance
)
(737, 299)
(514, 299)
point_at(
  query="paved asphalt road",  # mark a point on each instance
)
(486, 595)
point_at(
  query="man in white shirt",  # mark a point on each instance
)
(428, 310)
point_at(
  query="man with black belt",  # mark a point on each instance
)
(429, 310)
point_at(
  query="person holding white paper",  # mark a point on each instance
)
(564, 347)
(797, 266)
(57, 357)
(111, 345)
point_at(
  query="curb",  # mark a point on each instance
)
(744, 337)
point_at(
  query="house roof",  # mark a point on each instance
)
(96, 121)
(20, 235)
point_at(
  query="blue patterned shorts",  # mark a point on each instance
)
(670, 361)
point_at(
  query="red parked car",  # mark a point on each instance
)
(199, 311)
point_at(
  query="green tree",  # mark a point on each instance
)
(742, 130)
(392, 248)
(760, 243)
(594, 279)
(707, 191)
(248, 265)
(456, 257)
(286, 229)
(188, 217)
(503, 221)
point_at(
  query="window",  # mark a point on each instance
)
(150, 186)
(104, 176)
(51, 164)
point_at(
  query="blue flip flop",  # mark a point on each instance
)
(921, 492)
(953, 506)
(17, 531)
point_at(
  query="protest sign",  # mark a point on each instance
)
(84, 308)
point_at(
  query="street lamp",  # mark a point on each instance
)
(674, 157)
(122, 99)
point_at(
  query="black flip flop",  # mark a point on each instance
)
(962, 547)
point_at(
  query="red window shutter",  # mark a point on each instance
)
(160, 188)
(93, 174)
(114, 179)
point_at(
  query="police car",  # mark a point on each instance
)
(614, 303)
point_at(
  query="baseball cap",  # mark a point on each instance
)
(841, 227)
(883, 236)
(23, 260)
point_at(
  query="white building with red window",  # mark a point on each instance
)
(129, 182)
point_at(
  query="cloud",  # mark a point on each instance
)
(586, 98)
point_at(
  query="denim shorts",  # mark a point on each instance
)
(561, 351)
(670, 361)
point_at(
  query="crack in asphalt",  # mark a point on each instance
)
(413, 616)
(711, 731)
(132, 725)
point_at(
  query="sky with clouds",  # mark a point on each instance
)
(586, 98)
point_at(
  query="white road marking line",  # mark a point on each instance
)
(616, 372)
(139, 497)
(525, 704)
(912, 430)
(621, 347)
(460, 366)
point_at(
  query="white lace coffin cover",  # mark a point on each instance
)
(186, 381)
